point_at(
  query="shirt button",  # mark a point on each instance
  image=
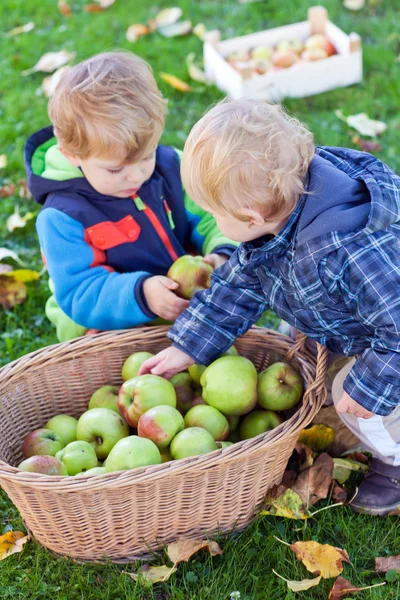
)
(99, 241)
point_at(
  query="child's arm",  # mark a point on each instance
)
(92, 295)
(350, 406)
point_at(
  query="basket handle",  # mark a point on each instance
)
(321, 368)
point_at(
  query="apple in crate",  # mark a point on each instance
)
(42, 441)
(210, 419)
(102, 428)
(284, 58)
(230, 385)
(279, 387)
(105, 397)
(258, 421)
(143, 392)
(131, 366)
(313, 54)
(185, 390)
(78, 456)
(261, 52)
(320, 40)
(47, 465)
(191, 442)
(294, 44)
(160, 425)
(192, 274)
(132, 452)
(64, 426)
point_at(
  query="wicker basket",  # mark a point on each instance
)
(125, 515)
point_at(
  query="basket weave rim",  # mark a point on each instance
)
(69, 350)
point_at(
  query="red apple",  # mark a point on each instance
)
(279, 387)
(313, 54)
(105, 397)
(192, 274)
(42, 442)
(132, 364)
(185, 391)
(160, 424)
(47, 465)
(284, 58)
(139, 394)
(258, 421)
(319, 40)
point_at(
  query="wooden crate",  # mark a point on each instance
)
(304, 79)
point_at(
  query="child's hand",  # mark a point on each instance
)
(161, 300)
(348, 405)
(166, 363)
(215, 260)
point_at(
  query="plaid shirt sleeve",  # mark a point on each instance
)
(216, 317)
(369, 279)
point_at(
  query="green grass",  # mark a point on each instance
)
(250, 556)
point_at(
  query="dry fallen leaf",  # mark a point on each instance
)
(51, 61)
(6, 253)
(354, 4)
(318, 437)
(153, 574)
(288, 505)
(7, 190)
(339, 494)
(105, 3)
(313, 484)
(11, 292)
(386, 564)
(306, 455)
(24, 191)
(200, 31)
(363, 124)
(3, 161)
(12, 542)
(93, 8)
(64, 8)
(365, 145)
(321, 559)
(342, 587)
(15, 220)
(50, 83)
(134, 32)
(175, 29)
(21, 29)
(194, 71)
(342, 468)
(299, 586)
(176, 83)
(183, 549)
(167, 16)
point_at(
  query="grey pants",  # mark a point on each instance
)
(379, 435)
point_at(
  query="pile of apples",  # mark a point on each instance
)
(262, 59)
(150, 420)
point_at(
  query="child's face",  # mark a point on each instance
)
(244, 231)
(110, 178)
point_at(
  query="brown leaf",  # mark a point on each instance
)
(153, 574)
(306, 455)
(365, 145)
(317, 437)
(321, 559)
(176, 83)
(64, 8)
(7, 190)
(134, 32)
(183, 549)
(93, 8)
(12, 542)
(313, 483)
(339, 494)
(358, 457)
(289, 477)
(11, 292)
(24, 190)
(342, 587)
(385, 564)
(299, 586)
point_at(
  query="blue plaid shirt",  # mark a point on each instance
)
(341, 288)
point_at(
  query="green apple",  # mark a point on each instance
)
(42, 442)
(47, 465)
(131, 366)
(295, 44)
(139, 394)
(166, 456)
(264, 52)
(191, 442)
(233, 422)
(230, 352)
(208, 418)
(258, 421)
(224, 444)
(196, 371)
(77, 457)
(64, 426)
(91, 472)
(279, 387)
(160, 424)
(105, 397)
(230, 385)
(192, 274)
(132, 452)
(185, 389)
(102, 428)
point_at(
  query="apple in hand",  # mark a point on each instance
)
(42, 441)
(192, 274)
(230, 385)
(64, 426)
(191, 442)
(185, 391)
(131, 366)
(105, 397)
(102, 428)
(279, 387)
(78, 456)
(210, 419)
(132, 452)
(160, 424)
(47, 465)
(143, 392)
(258, 421)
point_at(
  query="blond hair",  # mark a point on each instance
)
(247, 154)
(108, 106)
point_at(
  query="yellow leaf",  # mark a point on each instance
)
(3, 161)
(12, 542)
(11, 292)
(51, 61)
(183, 549)
(194, 71)
(176, 83)
(288, 505)
(299, 586)
(321, 559)
(134, 32)
(21, 29)
(318, 437)
(15, 220)
(153, 574)
(24, 275)
(7, 190)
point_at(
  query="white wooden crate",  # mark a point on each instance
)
(304, 79)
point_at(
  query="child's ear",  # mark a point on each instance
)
(254, 217)
(74, 160)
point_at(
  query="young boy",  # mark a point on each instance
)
(115, 216)
(320, 233)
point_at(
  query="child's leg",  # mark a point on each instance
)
(379, 493)
(65, 327)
